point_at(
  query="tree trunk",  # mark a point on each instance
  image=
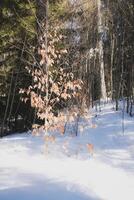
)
(101, 51)
(112, 61)
(41, 21)
(42, 46)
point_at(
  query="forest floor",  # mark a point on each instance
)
(68, 171)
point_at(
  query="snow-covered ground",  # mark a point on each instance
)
(68, 171)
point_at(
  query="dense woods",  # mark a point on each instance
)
(61, 54)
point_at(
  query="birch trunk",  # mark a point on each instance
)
(101, 51)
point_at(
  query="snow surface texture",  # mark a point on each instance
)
(68, 171)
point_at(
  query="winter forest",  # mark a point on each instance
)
(66, 99)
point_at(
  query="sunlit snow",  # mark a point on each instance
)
(68, 171)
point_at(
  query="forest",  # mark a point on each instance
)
(67, 85)
(61, 54)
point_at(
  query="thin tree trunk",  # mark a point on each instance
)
(42, 30)
(112, 61)
(7, 106)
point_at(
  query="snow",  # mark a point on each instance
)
(68, 171)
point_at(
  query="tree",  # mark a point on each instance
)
(17, 37)
(101, 33)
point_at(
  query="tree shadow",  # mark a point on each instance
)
(33, 187)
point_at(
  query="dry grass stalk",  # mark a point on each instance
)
(90, 148)
(94, 126)
(50, 138)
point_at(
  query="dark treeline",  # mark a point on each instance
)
(57, 54)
